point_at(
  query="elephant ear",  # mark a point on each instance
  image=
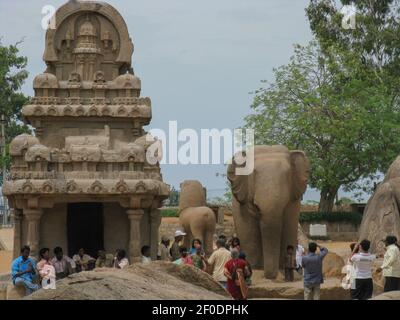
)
(239, 183)
(300, 173)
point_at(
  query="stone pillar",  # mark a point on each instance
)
(16, 215)
(33, 236)
(135, 217)
(155, 221)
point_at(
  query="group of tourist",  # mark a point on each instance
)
(359, 276)
(28, 273)
(227, 264)
(359, 268)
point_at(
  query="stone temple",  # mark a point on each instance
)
(83, 179)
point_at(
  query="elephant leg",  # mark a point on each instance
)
(271, 240)
(248, 231)
(187, 240)
(289, 228)
(208, 243)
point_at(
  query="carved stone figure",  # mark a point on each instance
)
(382, 215)
(84, 180)
(266, 204)
(198, 220)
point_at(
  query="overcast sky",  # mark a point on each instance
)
(198, 60)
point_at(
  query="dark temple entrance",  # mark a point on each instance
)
(85, 228)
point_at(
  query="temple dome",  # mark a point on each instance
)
(128, 81)
(45, 80)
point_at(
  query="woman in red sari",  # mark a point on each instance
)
(236, 271)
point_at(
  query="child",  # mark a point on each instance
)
(146, 258)
(249, 272)
(290, 264)
(185, 257)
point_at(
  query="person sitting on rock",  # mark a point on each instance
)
(83, 261)
(163, 252)
(185, 257)
(290, 264)
(46, 270)
(63, 265)
(120, 259)
(23, 271)
(104, 260)
(146, 255)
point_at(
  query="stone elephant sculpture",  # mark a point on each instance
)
(266, 204)
(198, 221)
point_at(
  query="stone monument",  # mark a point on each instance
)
(84, 179)
(382, 215)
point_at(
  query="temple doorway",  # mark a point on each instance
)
(85, 228)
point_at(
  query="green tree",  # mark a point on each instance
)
(374, 41)
(327, 104)
(12, 77)
(174, 197)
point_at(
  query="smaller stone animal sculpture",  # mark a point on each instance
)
(198, 220)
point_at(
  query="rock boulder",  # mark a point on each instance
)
(382, 216)
(154, 281)
(332, 265)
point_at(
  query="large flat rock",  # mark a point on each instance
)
(155, 281)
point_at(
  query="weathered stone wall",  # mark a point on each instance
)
(53, 228)
(337, 231)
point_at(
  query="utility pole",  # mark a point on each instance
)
(3, 148)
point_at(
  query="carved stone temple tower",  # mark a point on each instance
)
(84, 179)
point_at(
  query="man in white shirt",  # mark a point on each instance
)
(299, 256)
(218, 259)
(391, 265)
(363, 263)
(146, 258)
(83, 261)
(120, 260)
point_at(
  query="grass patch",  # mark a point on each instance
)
(169, 213)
